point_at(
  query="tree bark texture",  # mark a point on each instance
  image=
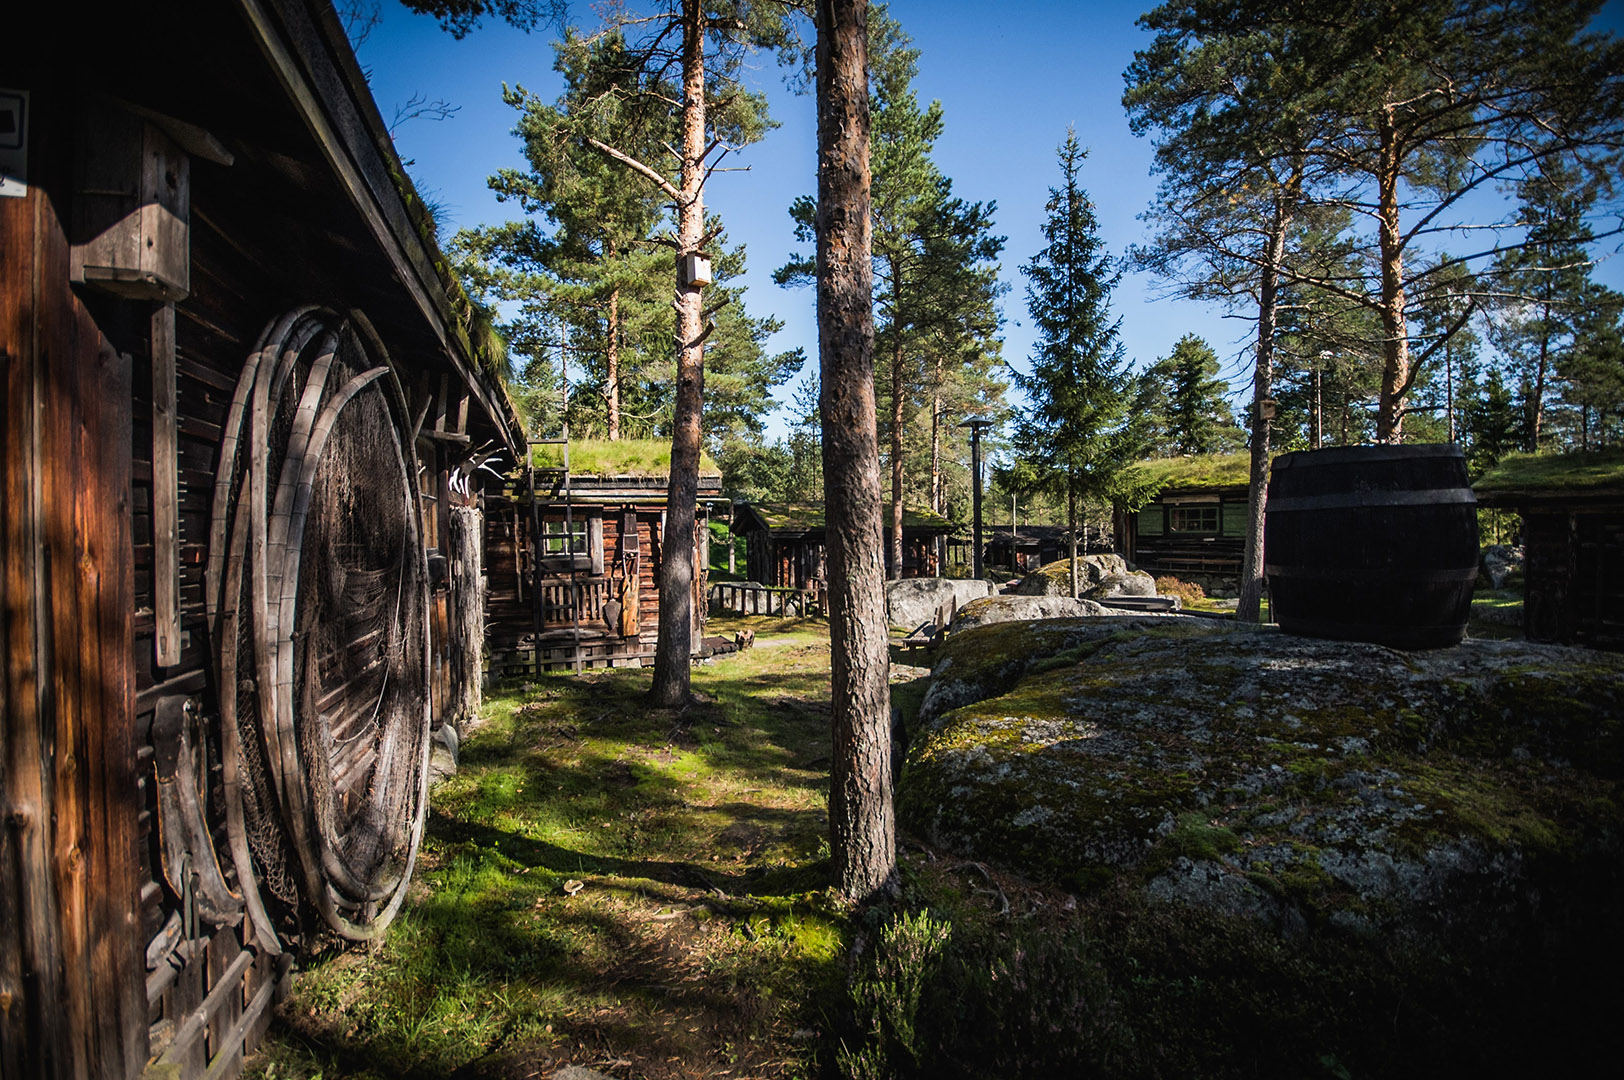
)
(1248, 607)
(896, 460)
(1395, 337)
(671, 655)
(611, 375)
(861, 817)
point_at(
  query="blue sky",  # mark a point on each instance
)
(1011, 78)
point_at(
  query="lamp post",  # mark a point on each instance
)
(976, 424)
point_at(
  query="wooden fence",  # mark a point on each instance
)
(748, 598)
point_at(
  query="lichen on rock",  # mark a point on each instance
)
(1294, 780)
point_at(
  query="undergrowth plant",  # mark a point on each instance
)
(886, 991)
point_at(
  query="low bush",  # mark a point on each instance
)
(1188, 592)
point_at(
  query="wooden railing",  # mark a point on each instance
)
(748, 598)
(560, 601)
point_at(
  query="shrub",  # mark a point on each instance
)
(1188, 592)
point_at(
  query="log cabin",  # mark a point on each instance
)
(1194, 525)
(785, 545)
(242, 421)
(574, 556)
(1572, 509)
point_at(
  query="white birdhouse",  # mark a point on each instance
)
(696, 269)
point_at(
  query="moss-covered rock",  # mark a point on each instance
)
(1303, 782)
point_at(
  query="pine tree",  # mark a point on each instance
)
(1079, 434)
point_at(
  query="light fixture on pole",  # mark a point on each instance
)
(976, 424)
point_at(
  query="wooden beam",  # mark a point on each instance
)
(165, 488)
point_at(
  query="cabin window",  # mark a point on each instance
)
(564, 537)
(1193, 519)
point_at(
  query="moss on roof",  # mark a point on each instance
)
(621, 457)
(1197, 471)
(1554, 473)
(808, 517)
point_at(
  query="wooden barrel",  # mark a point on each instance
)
(1372, 543)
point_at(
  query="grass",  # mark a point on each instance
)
(621, 457)
(1198, 471)
(702, 940)
(1553, 473)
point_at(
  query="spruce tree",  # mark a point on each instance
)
(1080, 433)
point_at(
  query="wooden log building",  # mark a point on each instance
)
(237, 405)
(786, 546)
(574, 569)
(1572, 509)
(1194, 527)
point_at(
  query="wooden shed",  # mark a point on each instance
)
(574, 569)
(1572, 508)
(1195, 524)
(238, 409)
(1027, 548)
(785, 543)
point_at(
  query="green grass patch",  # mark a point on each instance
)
(620, 457)
(600, 873)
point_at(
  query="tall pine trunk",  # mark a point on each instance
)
(861, 818)
(1248, 608)
(611, 375)
(1396, 377)
(936, 461)
(896, 459)
(671, 655)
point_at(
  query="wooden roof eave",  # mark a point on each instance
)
(314, 63)
(1546, 499)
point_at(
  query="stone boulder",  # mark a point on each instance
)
(912, 601)
(1496, 563)
(1435, 796)
(1054, 579)
(983, 664)
(1129, 583)
(1014, 608)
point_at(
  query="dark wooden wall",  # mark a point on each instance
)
(102, 962)
(70, 961)
(1574, 576)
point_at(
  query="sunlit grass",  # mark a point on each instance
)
(603, 873)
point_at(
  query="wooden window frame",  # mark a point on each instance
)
(1207, 514)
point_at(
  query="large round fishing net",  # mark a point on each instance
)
(318, 603)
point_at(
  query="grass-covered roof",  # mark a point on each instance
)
(1195, 471)
(1555, 474)
(621, 457)
(808, 517)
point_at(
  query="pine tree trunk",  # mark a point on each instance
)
(861, 818)
(611, 376)
(1071, 531)
(896, 459)
(1395, 344)
(1249, 606)
(936, 463)
(671, 654)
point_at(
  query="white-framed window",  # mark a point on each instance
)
(1192, 519)
(560, 537)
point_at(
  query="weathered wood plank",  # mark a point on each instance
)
(33, 1026)
(165, 488)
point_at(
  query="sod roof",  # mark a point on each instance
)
(621, 457)
(1193, 472)
(1554, 475)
